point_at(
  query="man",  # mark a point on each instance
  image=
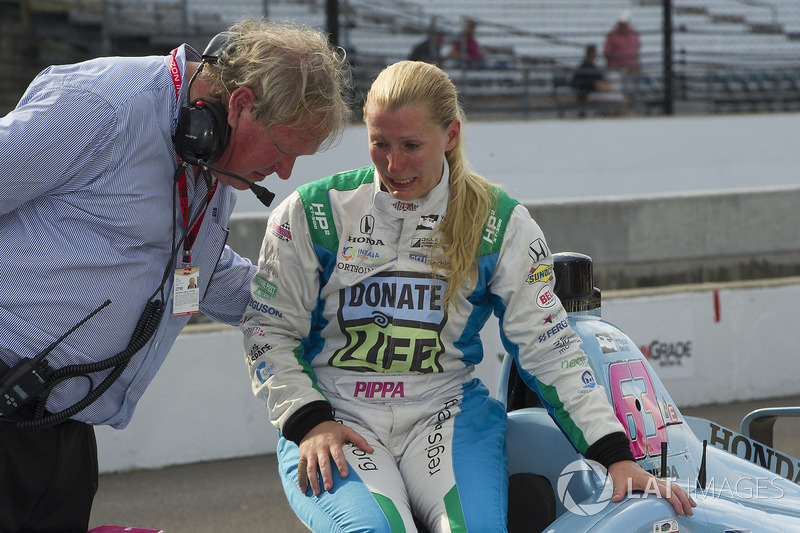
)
(590, 84)
(429, 50)
(102, 224)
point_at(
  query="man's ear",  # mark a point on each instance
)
(240, 101)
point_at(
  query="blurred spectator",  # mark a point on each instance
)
(621, 50)
(466, 49)
(429, 50)
(589, 81)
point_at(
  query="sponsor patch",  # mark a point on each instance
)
(427, 222)
(263, 373)
(423, 242)
(282, 232)
(266, 289)
(666, 526)
(588, 382)
(378, 389)
(538, 250)
(554, 330)
(367, 224)
(546, 298)
(405, 207)
(319, 218)
(540, 273)
(392, 322)
(492, 228)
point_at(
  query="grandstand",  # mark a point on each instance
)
(728, 55)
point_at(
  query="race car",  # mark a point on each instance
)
(552, 488)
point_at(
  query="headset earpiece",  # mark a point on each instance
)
(203, 132)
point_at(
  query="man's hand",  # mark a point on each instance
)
(317, 448)
(628, 475)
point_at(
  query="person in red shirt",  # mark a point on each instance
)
(466, 48)
(621, 50)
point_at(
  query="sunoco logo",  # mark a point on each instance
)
(585, 506)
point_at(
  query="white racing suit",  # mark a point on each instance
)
(346, 322)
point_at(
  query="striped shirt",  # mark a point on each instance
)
(87, 213)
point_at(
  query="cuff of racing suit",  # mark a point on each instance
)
(305, 419)
(610, 449)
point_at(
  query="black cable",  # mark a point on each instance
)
(146, 327)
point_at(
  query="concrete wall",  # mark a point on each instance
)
(681, 238)
(655, 240)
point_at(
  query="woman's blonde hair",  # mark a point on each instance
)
(297, 77)
(471, 196)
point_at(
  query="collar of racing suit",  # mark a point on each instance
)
(434, 202)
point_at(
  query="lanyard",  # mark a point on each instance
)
(192, 232)
(176, 73)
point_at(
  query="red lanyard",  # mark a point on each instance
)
(176, 73)
(183, 193)
(191, 233)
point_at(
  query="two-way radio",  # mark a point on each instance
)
(26, 380)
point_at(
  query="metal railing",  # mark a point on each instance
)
(716, 67)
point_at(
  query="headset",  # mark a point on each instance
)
(203, 132)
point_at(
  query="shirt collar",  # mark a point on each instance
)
(435, 201)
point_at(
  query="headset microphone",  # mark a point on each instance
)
(264, 195)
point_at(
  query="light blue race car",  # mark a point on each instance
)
(552, 488)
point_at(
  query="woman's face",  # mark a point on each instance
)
(408, 149)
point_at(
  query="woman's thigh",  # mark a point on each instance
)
(456, 471)
(371, 498)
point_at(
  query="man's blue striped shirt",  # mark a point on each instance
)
(87, 214)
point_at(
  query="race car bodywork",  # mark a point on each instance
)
(759, 492)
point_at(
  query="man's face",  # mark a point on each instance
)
(255, 152)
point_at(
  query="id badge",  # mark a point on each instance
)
(186, 291)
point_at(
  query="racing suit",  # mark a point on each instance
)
(346, 322)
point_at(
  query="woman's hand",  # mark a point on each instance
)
(317, 448)
(627, 475)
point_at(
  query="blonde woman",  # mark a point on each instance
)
(363, 330)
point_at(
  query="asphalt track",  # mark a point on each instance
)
(245, 494)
